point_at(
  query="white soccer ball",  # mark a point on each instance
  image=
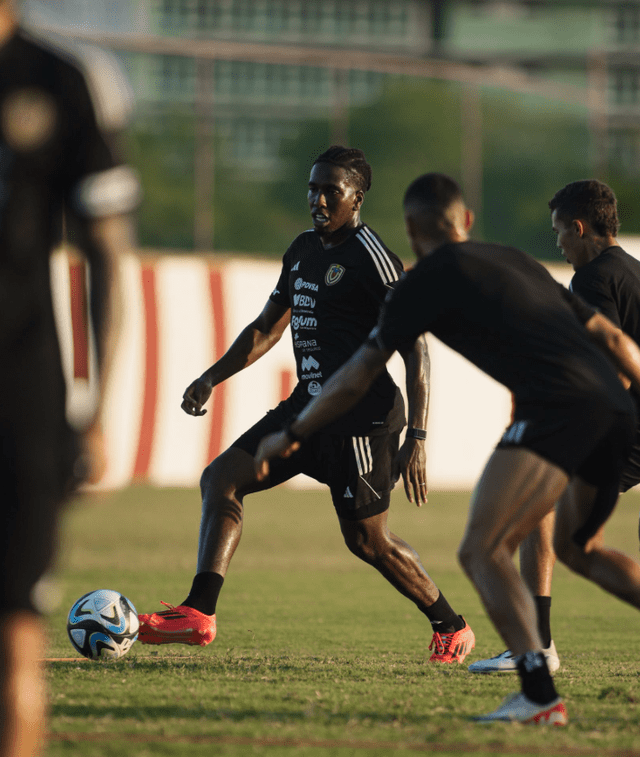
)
(103, 625)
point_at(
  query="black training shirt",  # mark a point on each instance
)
(503, 311)
(59, 108)
(611, 284)
(335, 297)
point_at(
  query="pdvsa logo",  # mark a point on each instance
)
(334, 274)
(303, 322)
(302, 284)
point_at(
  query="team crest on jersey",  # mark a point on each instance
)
(28, 119)
(334, 274)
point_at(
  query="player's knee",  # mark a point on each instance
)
(362, 545)
(216, 479)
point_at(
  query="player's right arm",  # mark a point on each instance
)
(620, 348)
(251, 344)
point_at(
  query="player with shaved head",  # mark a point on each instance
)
(573, 421)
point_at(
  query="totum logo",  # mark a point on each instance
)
(303, 322)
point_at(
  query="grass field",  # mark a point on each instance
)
(316, 654)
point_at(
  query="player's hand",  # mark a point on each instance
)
(196, 395)
(273, 445)
(411, 464)
(91, 464)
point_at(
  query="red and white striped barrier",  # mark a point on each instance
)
(179, 314)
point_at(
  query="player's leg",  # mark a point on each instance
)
(371, 540)
(224, 484)
(516, 490)
(579, 542)
(537, 560)
(359, 470)
(22, 684)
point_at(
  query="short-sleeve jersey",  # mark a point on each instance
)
(504, 312)
(335, 297)
(58, 112)
(611, 284)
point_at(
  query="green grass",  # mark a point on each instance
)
(316, 654)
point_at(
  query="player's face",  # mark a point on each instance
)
(568, 239)
(334, 201)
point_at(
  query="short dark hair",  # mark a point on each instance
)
(433, 194)
(589, 200)
(352, 160)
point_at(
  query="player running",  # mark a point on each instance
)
(584, 217)
(334, 279)
(573, 424)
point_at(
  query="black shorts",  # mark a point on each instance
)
(36, 468)
(586, 438)
(630, 475)
(357, 469)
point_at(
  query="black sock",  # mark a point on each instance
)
(543, 611)
(537, 683)
(204, 593)
(442, 617)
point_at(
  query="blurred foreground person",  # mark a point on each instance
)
(56, 113)
(573, 422)
(334, 279)
(584, 218)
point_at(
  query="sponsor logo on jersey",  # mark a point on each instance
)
(309, 363)
(302, 284)
(314, 388)
(334, 274)
(303, 301)
(306, 345)
(347, 493)
(296, 266)
(304, 322)
(275, 291)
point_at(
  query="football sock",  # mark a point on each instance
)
(543, 610)
(442, 617)
(204, 593)
(537, 683)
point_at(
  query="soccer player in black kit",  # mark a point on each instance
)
(584, 217)
(334, 279)
(573, 421)
(59, 114)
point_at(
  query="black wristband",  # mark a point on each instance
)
(416, 433)
(293, 437)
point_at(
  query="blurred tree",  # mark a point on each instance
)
(530, 148)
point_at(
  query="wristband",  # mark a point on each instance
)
(293, 437)
(416, 433)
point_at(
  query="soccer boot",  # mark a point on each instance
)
(452, 647)
(177, 625)
(506, 662)
(517, 708)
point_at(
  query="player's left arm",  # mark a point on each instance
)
(411, 460)
(103, 241)
(620, 347)
(341, 392)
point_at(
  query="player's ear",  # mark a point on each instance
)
(469, 219)
(359, 199)
(579, 227)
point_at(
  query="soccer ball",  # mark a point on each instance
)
(102, 625)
